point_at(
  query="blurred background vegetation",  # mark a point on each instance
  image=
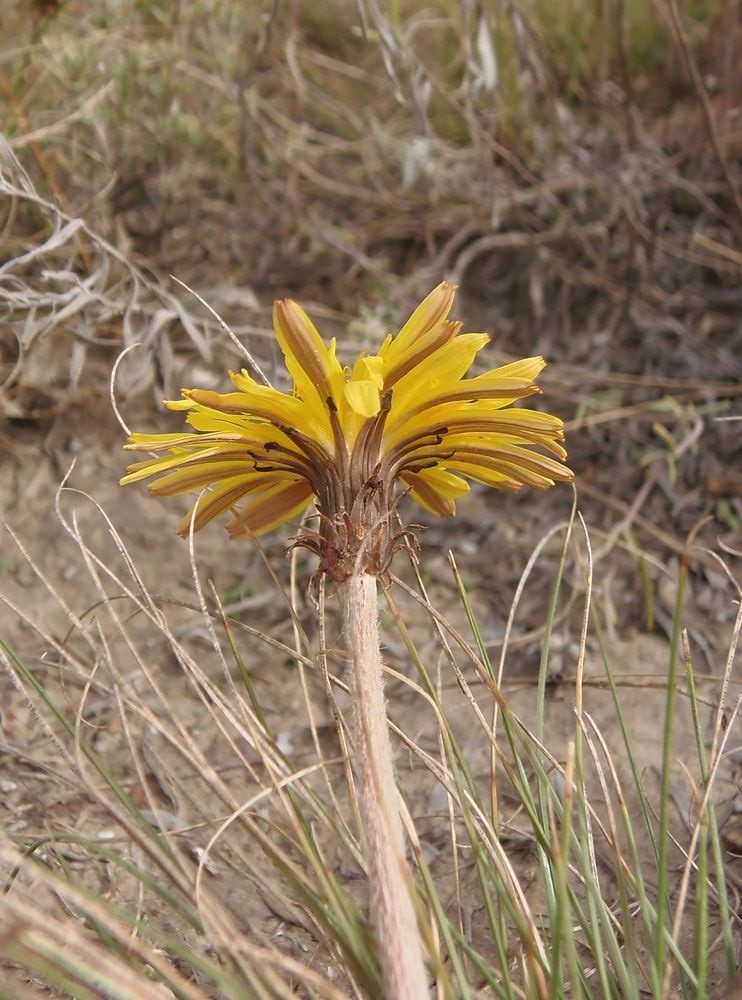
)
(301, 145)
(573, 166)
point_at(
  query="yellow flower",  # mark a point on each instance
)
(345, 437)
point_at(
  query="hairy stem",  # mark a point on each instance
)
(392, 889)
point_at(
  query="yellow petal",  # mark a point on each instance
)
(237, 427)
(478, 418)
(434, 307)
(405, 413)
(499, 387)
(184, 458)
(436, 373)
(425, 331)
(263, 403)
(362, 392)
(363, 398)
(179, 404)
(257, 402)
(525, 368)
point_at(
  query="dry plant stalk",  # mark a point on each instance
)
(344, 438)
(391, 883)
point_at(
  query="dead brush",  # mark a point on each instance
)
(74, 292)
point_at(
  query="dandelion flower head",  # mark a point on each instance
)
(345, 437)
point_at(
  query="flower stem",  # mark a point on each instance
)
(392, 908)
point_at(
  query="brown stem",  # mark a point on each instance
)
(392, 888)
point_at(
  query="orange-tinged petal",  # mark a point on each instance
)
(275, 506)
(196, 477)
(435, 489)
(313, 366)
(511, 475)
(240, 460)
(513, 454)
(222, 497)
(307, 356)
